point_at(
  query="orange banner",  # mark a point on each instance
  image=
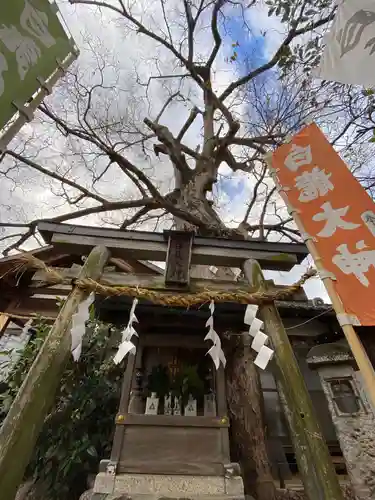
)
(336, 213)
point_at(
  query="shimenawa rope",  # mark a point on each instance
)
(165, 298)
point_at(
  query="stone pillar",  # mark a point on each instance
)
(352, 415)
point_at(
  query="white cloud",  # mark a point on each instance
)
(314, 287)
(270, 27)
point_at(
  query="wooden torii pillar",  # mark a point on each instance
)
(24, 421)
(313, 458)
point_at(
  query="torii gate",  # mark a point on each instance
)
(23, 423)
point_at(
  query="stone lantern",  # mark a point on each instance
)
(352, 414)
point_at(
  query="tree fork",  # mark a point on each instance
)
(26, 416)
(313, 458)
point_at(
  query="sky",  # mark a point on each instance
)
(255, 46)
(102, 37)
(260, 47)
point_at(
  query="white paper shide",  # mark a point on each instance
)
(260, 339)
(126, 345)
(79, 326)
(215, 351)
(176, 410)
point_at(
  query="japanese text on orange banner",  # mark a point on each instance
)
(336, 212)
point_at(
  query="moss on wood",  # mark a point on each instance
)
(26, 416)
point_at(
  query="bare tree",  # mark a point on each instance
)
(150, 149)
(234, 125)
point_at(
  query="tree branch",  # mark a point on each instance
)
(194, 70)
(106, 207)
(173, 148)
(165, 20)
(255, 194)
(246, 166)
(124, 164)
(13, 224)
(215, 32)
(253, 142)
(9, 236)
(190, 27)
(55, 176)
(263, 214)
(166, 104)
(192, 116)
(293, 33)
(141, 28)
(136, 217)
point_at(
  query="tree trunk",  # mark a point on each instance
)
(245, 402)
(245, 399)
(191, 200)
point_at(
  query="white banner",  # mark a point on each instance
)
(349, 55)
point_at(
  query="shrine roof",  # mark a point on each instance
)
(16, 287)
(52, 255)
(228, 314)
(308, 305)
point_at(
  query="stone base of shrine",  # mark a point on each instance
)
(157, 487)
(117, 496)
